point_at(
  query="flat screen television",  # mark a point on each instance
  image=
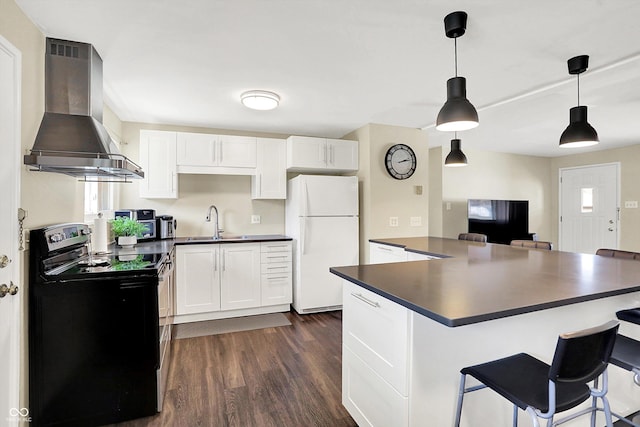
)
(501, 220)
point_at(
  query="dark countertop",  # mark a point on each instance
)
(165, 246)
(483, 281)
(246, 238)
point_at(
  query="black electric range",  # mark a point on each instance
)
(93, 331)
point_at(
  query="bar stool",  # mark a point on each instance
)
(473, 237)
(543, 390)
(533, 244)
(626, 355)
(617, 253)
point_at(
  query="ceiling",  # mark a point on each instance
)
(340, 64)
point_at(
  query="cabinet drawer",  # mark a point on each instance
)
(276, 247)
(370, 400)
(381, 254)
(276, 268)
(378, 331)
(276, 288)
(275, 257)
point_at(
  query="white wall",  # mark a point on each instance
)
(629, 158)
(382, 196)
(494, 176)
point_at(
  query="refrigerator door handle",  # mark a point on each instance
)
(305, 199)
(303, 230)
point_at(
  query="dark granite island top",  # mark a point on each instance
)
(477, 282)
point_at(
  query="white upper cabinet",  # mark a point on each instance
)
(158, 161)
(216, 154)
(237, 151)
(310, 154)
(270, 180)
(197, 149)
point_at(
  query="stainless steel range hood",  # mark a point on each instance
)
(71, 139)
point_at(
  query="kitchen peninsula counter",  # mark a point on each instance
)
(409, 327)
(476, 282)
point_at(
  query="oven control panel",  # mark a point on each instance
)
(65, 235)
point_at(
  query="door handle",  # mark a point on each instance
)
(11, 290)
(610, 229)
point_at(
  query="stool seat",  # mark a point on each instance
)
(626, 353)
(631, 315)
(523, 380)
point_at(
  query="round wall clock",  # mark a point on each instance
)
(400, 161)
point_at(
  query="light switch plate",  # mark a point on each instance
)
(631, 204)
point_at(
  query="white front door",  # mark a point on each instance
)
(10, 68)
(589, 206)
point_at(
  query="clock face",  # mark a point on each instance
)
(400, 161)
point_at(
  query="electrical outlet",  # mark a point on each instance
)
(415, 221)
(393, 221)
(633, 204)
(255, 219)
(447, 206)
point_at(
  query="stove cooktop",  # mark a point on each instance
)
(109, 263)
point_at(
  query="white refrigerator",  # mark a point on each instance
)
(322, 219)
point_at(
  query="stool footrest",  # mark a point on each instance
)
(629, 420)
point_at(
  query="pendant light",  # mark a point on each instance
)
(579, 133)
(456, 157)
(457, 113)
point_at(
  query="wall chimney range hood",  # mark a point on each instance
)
(71, 139)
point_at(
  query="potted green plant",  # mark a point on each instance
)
(127, 230)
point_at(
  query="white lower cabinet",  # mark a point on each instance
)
(240, 276)
(376, 334)
(370, 400)
(276, 273)
(197, 279)
(220, 280)
(381, 254)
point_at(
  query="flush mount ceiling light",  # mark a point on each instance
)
(457, 113)
(579, 133)
(456, 157)
(260, 99)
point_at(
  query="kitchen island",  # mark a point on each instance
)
(409, 327)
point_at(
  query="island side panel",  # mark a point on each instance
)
(439, 352)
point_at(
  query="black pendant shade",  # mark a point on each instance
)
(457, 114)
(579, 133)
(456, 157)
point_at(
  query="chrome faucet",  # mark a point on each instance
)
(216, 229)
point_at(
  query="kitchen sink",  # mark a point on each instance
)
(232, 237)
(211, 238)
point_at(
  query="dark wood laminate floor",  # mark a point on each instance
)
(284, 376)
